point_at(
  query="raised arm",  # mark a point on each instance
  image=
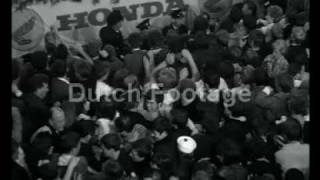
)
(194, 69)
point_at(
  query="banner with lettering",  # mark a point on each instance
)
(82, 21)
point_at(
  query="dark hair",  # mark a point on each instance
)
(58, 68)
(69, 141)
(83, 68)
(43, 141)
(125, 122)
(235, 14)
(212, 78)
(143, 147)
(155, 38)
(291, 129)
(48, 172)
(106, 110)
(256, 37)
(200, 24)
(84, 127)
(37, 81)
(285, 82)
(180, 117)
(261, 77)
(135, 40)
(61, 52)
(230, 150)
(249, 22)
(252, 6)
(114, 17)
(298, 102)
(39, 60)
(112, 169)
(226, 69)
(294, 174)
(162, 124)
(111, 141)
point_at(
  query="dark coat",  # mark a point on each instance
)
(110, 36)
(36, 114)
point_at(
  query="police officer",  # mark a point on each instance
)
(111, 34)
(144, 28)
(177, 27)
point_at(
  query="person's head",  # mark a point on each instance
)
(261, 77)
(167, 77)
(102, 70)
(178, 17)
(39, 60)
(235, 14)
(48, 172)
(82, 70)
(298, 102)
(294, 174)
(58, 119)
(229, 150)
(155, 38)
(111, 145)
(70, 143)
(298, 34)
(291, 129)
(180, 117)
(211, 78)
(161, 128)
(135, 40)
(274, 14)
(200, 24)
(39, 85)
(119, 76)
(107, 51)
(277, 31)
(233, 172)
(249, 8)
(125, 122)
(284, 83)
(153, 100)
(200, 175)
(226, 69)
(85, 129)
(205, 166)
(223, 36)
(106, 110)
(279, 46)
(255, 39)
(58, 68)
(249, 22)
(43, 142)
(115, 19)
(141, 150)
(112, 169)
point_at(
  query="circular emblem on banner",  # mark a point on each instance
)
(27, 29)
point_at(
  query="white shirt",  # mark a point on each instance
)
(294, 155)
(102, 89)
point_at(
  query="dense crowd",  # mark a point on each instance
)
(227, 99)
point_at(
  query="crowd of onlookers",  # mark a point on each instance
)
(225, 100)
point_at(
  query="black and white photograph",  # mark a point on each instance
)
(159, 90)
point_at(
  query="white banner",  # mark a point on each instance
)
(82, 21)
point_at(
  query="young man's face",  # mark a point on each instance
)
(42, 92)
(110, 153)
(246, 10)
(151, 105)
(58, 120)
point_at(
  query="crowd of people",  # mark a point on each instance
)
(225, 100)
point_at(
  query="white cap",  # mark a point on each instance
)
(186, 144)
